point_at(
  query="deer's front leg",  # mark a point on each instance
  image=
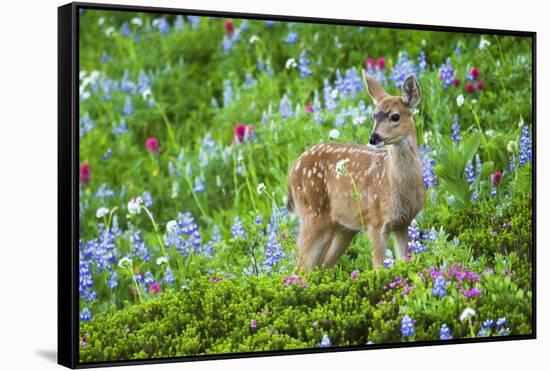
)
(378, 236)
(401, 239)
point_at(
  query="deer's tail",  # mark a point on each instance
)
(290, 200)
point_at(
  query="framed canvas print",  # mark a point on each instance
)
(236, 185)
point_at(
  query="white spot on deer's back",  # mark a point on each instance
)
(309, 173)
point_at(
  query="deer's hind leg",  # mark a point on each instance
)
(378, 236)
(340, 240)
(314, 238)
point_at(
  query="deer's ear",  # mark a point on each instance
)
(375, 89)
(411, 92)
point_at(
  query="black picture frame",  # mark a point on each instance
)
(68, 170)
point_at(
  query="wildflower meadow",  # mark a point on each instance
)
(188, 127)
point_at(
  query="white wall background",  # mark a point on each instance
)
(28, 177)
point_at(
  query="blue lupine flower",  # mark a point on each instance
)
(416, 247)
(168, 276)
(388, 259)
(125, 30)
(494, 191)
(85, 315)
(245, 25)
(501, 322)
(488, 323)
(85, 283)
(512, 162)
(484, 332)
(104, 58)
(422, 64)
(470, 172)
(139, 248)
(249, 80)
(179, 22)
(445, 333)
(303, 65)
(407, 326)
(107, 155)
(227, 93)
(329, 95)
(198, 185)
(104, 191)
(504, 331)
(237, 230)
(147, 199)
(341, 117)
(273, 250)
(525, 146)
(126, 85)
(184, 236)
(325, 342)
(428, 167)
(227, 43)
(478, 164)
(413, 231)
(148, 278)
(162, 25)
(439, 288)
(208, 248)
(285, 107)
(403, 69)
(112, 282)
(446, 74)
(455, 128)
(259, 65)
(86, 124)
(120, 129)
(458, 49)
(269, 23)
(128, 108)
(259, 220)
(194, 21)
(348, 85)
(291, 38)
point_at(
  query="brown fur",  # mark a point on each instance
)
(389, 180)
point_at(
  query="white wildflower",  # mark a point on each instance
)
(137, 21)
(134, 206)
(334, 134)
(109, 31)
(467, 314)
(359, 120)
(171, 226)
(290, 63)
(483, 43)
(460, 100)
(253, 39)
(341, 167)
(162, 260)
(101, 212)
(261, 188)
(125, 262)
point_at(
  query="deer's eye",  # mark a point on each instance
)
(395, 117)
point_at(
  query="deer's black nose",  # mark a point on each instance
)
(374, 138)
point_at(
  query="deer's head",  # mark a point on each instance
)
(393, 120)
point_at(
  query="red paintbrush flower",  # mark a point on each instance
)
(309, 108)
(85, 173)
(369, 63)
(456, 81)
(470, 87)
(381, 63)
(496, 177)
(152, 144)
(154, 288)
(480, 85)
(475, 73)
(229, 27)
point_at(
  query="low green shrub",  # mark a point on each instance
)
(275, 312)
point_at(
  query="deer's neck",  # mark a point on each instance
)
(404, 164)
